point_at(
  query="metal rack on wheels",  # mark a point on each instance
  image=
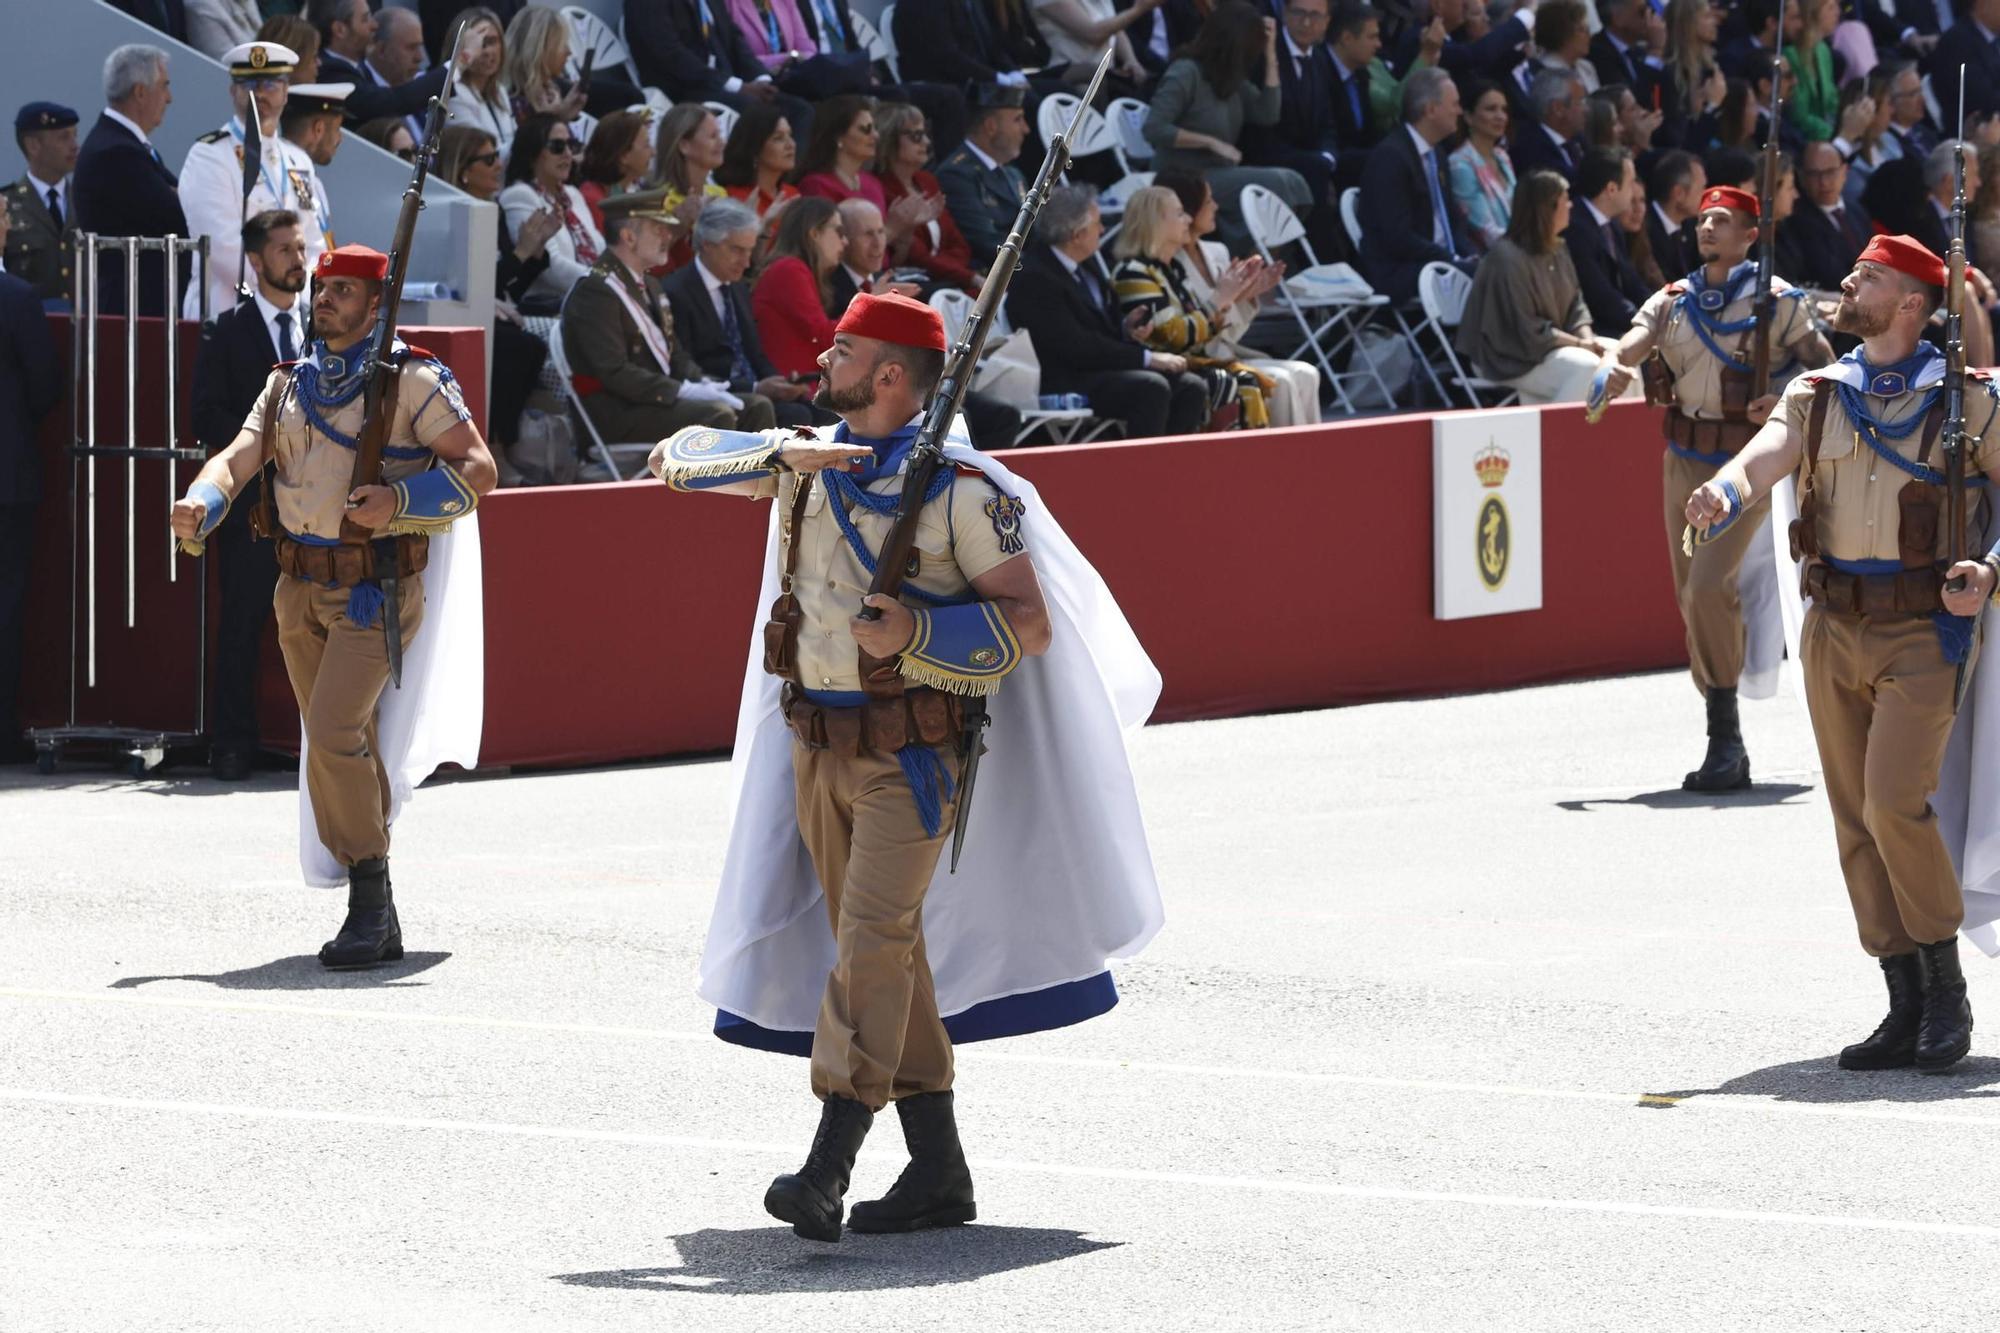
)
(142, 748)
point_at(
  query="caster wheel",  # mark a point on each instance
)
(45, 762)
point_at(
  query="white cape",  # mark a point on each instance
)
(1056, 878)
(1967, 800)
(437, 715)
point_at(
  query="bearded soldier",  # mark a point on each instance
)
(339, 636)
(1886, 638)
(1692, 339)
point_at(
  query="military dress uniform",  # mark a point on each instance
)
(211, 186)
(38, 242)
(983, 199)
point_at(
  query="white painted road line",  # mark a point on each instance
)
(1325, 1189)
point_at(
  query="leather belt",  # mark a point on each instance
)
(879, 726)
(1911, 592)
(345, 565)
(1708, 437)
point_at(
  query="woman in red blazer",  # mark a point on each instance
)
(790, 299)
(928, 238)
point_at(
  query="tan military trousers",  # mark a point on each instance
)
(338, 672)
(879, 1036)
(1879, 691)
(1705, 583)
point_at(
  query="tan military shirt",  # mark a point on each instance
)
(1858, 515)
(1697, 373)
(962, 534)
(315, 473)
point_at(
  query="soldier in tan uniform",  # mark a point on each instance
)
(876, 709)
(1885, 639)
(331, 621)
(1692, 339)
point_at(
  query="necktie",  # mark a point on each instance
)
(1354, 98)
(834, 34)
(1840, 222)
(1572, 152)
(732, 334)
(1440, 219)
(1088, 281)
(55, 207)
(288, 347)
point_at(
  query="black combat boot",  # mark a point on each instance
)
(935, 1189)
(1726, 767)
(1946, 1031)
(371, 934)
(810, 1200)
(1893, 1044)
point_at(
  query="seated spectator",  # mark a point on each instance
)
(617, 160)
(1469, 50)
(1526, 323)
(469, 158)
(1553, 139)
(480, 97)
(1738, 120)
(1692, 85)
(795, 288)
(121, 187)
(958, 44)
(1366, 92)
(1982, 209)
(1067, 307)
(1864, 141)
(982, 186)
(1203, 102)
(1405, 222)
(1600, 124)
(1816, 99)
(636, 380)
(1748, 53)
(831, 25)
(933, 242)
(1168, 317)
(1675, 188)
(694, 53)
(777, 34)
(1562, 35)
(1910, 122)
(1306, 135)
(1618, 51)
(293, 31)
(1206, 270)
(1636, 126)
(396, 57)
(1612, 287)
(1827, 234)
(841, 151)
(1639, 241)
(1931, 223)
(347, 32)
(862, 252)
(538, 179)
(391, 134)
(759, 157)
(713, 317)
(1481, 172)
(1076, 31)
(536, 56)
(688, 150)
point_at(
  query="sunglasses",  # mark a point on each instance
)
(564, 146)
(407, 154)
(489, 158)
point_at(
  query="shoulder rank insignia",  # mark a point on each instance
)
(1006, 512)
(217, 136)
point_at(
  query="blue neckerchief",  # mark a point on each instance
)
(849, 490)
(1870, 428)
(1704, 306)
(890, 451)
(328, 381)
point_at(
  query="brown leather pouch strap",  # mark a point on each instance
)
(1933, 427)
(800, 494)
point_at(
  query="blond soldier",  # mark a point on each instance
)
(332, 623)
(1693, 339)
(1885, 639)
(876, 708)
(212, 176)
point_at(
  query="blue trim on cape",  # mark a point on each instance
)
(1057, 1006)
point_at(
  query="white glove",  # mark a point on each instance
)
(711, 391)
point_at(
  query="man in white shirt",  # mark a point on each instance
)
(38, 205)
(312, 131)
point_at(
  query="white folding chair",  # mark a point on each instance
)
(1350, 215)
(1068, 425)
(725, 117)
(1334, 294)
(1350, 219)
(607, 453)
(1127, 117)
(1442, 290)
(593, 34)
(1093, 133)
(883, 45)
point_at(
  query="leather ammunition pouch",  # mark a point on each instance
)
(1736, 395)
(1657, 381)
(345, 565)
(781, 631)
(879, 726)
(1708, 437)
(1913, 592)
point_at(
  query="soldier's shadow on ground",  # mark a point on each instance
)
(1673, 798)
(1822, 1082)
(770, 1260)
(303, 972)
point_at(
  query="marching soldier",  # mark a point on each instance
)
(211, 185)
(332, 624)
(1885, 639)
(1692, 341)
(39, 217)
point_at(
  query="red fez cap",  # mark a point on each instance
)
(1905, 254)
(1728, 196)
(893, 319)
(353, 261)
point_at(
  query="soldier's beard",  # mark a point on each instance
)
(1851, 318)
(856, 398)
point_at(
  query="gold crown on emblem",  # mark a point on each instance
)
(1491, 463)
(258, 58)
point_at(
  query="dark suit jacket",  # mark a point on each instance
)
(1074, 339)
(984, 203)
(698, 328)
(1887, 29)
(1825, 254)
(1306, 107)
(1742, 58)
(1488, 58)
(120, 188)
(1674, 251)
(169, 16)
(370, 99)
(30, 385)
(1935, 232)
(1965, 45)
(956, 41)
(37, 249)
(229, 372)
(1533, 150)
(1612, 287)
(673, 55)
(1395, 211)
(1630, 70)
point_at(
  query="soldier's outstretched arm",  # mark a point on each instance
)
(220, 479)
(1772, 455)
